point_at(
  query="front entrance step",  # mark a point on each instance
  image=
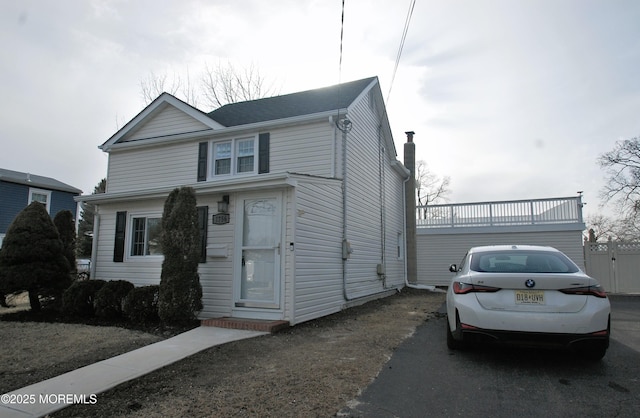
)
(246, 324)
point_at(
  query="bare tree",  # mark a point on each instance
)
(600, 227)
(622, 166)
(225, 84)
(430, 187)
(220, 85)
(156, 84)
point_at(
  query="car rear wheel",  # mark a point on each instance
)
(595, 353)
(452, 343)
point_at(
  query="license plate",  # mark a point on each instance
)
(529, 297)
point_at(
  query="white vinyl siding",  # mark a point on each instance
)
(437, 251)
(365, 208)
(153, 167)
(304, 149)
(168, 121)
(216, 275)
(318, 250)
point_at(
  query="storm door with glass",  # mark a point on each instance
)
(259, 282)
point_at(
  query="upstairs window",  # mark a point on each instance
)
(245, 155)
(42, 196)
(236, 156)
(222, 158)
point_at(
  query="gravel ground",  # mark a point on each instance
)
(311, 370)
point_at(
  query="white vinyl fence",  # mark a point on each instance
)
(615, 264)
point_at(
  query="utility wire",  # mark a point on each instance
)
(341, 36)
(404, 36)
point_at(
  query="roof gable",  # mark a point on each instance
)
(33, 180)
(143, 125)
(339, 96)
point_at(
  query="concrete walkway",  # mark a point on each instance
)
(83, 385)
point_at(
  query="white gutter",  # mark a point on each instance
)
(264, 181)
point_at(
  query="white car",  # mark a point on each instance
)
(526, 295)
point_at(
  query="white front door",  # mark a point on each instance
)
(258, 257)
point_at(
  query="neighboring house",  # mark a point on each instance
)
(18, 190)
(301, 210)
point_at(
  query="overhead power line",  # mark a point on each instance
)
(341, 36)
(404, 36)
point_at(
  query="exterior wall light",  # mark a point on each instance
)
(223, 205)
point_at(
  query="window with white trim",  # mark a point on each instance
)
(222, 158)
(42, 196)
(145, 236)
(235, 156)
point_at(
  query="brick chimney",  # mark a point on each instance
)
(410, 208)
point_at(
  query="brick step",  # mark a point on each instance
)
(246, 324)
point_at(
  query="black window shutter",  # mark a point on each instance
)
(263, 153)
(203, 220)
(203, 147)
(118, 247)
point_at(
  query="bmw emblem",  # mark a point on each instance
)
(530, 283)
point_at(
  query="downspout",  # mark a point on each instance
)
(94, 243)
(344, 125)
(406, 277)
(381, 199)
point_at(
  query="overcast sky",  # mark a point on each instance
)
(510, 99)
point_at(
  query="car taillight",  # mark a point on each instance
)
(597, 291)
(462, 288)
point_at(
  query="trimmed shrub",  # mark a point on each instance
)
(66, 226)
(110, 298)
(180, 297)
(141, 304)
(79, 298)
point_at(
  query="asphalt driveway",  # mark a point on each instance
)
(425, 379)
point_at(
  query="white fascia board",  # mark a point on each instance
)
(157, 105)
(232, 130)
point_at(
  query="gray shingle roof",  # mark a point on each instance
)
(33, 180)
(308, 102)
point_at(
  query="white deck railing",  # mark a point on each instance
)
(505, 213)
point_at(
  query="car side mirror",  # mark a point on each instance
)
(453, 268)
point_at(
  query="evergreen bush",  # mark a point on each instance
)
(79, 298)
(180, 297)
(110, 299)
(32, 257)
(141, 304)
(66, 227)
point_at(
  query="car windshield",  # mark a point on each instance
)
(522, 262)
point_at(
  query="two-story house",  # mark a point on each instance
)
(300, 199)
(18, 190)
